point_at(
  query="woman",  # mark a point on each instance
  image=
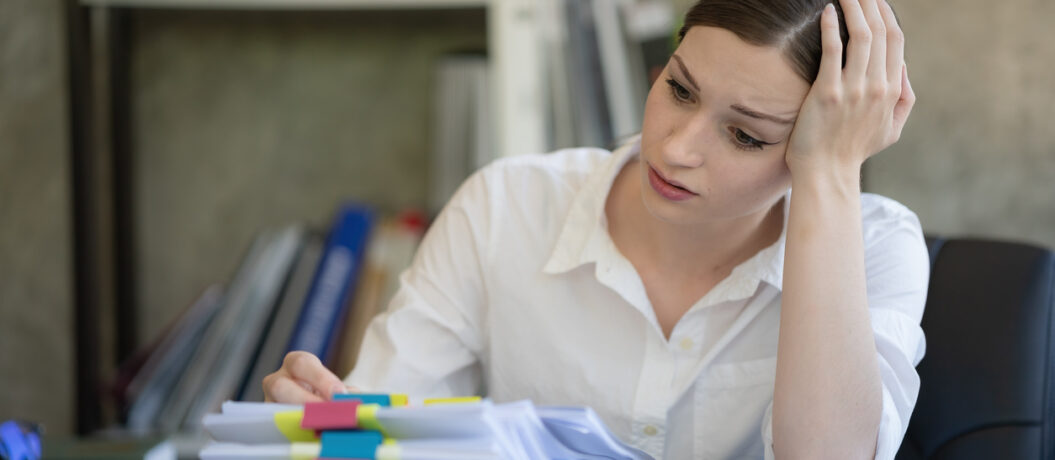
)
(677, 285)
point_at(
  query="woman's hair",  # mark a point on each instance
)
(791, 25)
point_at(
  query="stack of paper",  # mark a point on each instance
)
(385, 427)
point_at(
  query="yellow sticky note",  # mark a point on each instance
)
(366, 417)
(460, 400)
(387, 452)
(304, 450)
(288, 422)
(397, 400)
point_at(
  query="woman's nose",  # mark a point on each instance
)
(687, 144)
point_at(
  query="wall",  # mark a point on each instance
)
(978, 155)
(36, 338)
(249, 119)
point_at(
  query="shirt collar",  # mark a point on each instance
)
(586, 225)
(584, 237)
(768, 264)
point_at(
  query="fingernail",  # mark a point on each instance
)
(829, 8)
(339, 389)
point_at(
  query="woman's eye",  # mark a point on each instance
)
(679, 92)
(745, 141)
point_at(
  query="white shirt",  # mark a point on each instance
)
(518, 291)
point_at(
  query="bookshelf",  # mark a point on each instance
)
(103, 158)
(289, 4)
(558, 73)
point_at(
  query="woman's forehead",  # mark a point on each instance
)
(723, 65)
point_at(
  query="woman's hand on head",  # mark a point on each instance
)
(853, 112)
(302, 378)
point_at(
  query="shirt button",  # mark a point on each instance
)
(686, 344)
(651, 430)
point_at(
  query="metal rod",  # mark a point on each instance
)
(85, 256)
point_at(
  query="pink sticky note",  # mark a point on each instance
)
(330, 415)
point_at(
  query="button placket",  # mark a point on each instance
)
(687, 332)
(653, 393)
(650, 437)
(687, 344)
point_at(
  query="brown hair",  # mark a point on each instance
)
(791, 25)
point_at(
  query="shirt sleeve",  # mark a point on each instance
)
(428, 342)
(897, 268)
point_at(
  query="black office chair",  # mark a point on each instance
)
(988, 378)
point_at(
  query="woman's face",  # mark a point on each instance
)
(716, 127)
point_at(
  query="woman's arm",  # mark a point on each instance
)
(429, 341)
(828, 396)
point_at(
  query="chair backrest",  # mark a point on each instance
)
(987, 386)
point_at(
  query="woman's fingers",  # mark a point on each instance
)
(850, 113)
(895, 45)
(302, 378)
(904, 104)
(857, 49)
(280, 387)
(877, 54)
(831, 46)
(307, 368)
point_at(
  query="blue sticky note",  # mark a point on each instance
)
(366, 398)
(350, 444)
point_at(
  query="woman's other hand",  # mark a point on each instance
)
(853, 112)
(302, 378)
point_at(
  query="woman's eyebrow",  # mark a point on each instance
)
(737, 107)
(685, 71)
(760, 115)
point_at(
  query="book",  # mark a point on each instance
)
(235, 358)
(170, 416)
(482, 146)
(417, 431)
(590, 107)
(159, 374)
(652, 27)
(223, 354)
(364, 305)
(600, 63)
(625, 92)
(390, 252)
(460, 137)
(317, 328)
(553, 35)
(280, 331)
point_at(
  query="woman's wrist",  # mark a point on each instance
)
(829, 177)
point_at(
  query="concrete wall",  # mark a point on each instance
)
(36, 341)
(244, 120)
(978, 155)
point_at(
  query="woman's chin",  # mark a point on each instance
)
(670, 212)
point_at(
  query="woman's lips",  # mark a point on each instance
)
(667, 189)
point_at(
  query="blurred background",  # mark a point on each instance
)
(146, 144)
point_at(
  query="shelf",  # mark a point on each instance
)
(513, 29)
(289, 4)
